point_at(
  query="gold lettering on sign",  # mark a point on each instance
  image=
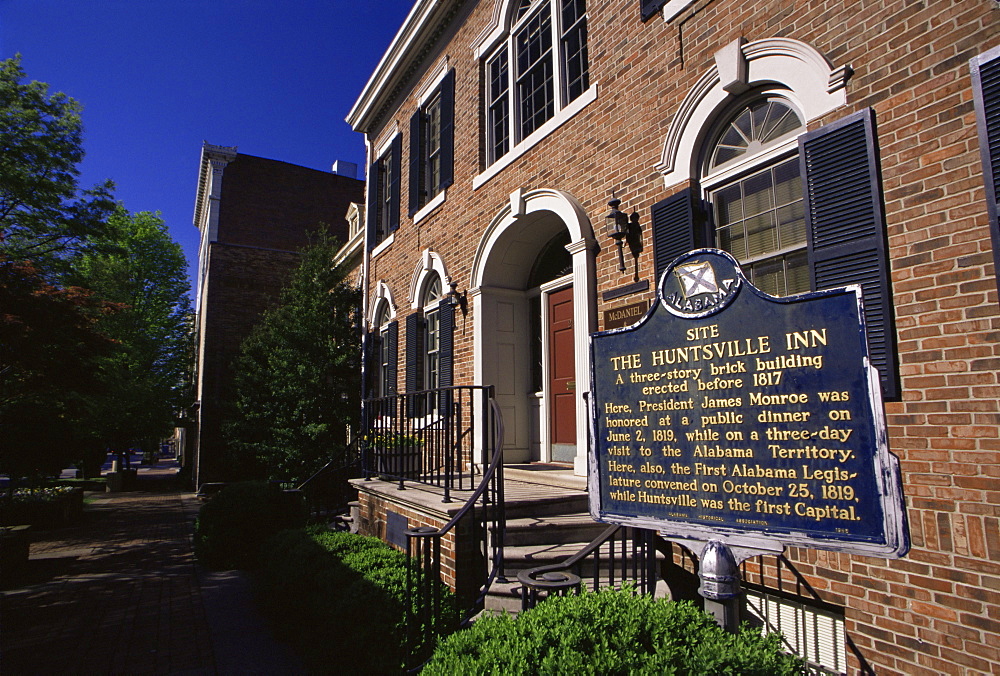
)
(721, 426)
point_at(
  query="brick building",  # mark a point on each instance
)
(820, 143)
(254, 215)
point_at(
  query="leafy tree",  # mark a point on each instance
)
(49, 346)
(48, 336)
(297, 377)
(146, 380)
(44, 216)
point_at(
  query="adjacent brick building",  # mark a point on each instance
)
(254, 215)
(820, 143)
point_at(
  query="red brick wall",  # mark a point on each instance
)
(272, 204)
(937, 610)
(457, 545)
(243, 282)
(267, 210)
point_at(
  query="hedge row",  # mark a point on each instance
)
(340, 600)
(234, 525)
(610, 632)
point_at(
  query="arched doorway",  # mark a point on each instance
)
(533, 294)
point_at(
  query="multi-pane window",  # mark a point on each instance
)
(385, 180)
(533, 47)
(432, 140)
(798, 209)
(759, 216)
(574, 48)
(432, 334)
(431, 123)
(383, 194)
(386, 351)
(498, 106)
(547, 45)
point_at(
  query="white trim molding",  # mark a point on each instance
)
(381, 293)
(430, 87)
(566, 207)
(525, 204)
(813, 85)
(430, 263)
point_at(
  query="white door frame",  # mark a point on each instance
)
(488, 274)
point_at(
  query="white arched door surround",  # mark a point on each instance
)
(430, 263)
(500, 273)
(381, 296)
(802, 75)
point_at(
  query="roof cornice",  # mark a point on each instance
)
(419, 32)
(220, 156)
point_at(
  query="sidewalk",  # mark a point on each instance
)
(121, 593)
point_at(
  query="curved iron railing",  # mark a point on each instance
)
(426, 437)
(484, 514)
(328, 491)
(619, 554)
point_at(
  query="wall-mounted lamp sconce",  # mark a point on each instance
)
(619, 227)
(459, 300)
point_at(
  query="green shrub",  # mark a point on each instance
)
(340, 599)
(609, 632)
(235, 523)
(42, 507)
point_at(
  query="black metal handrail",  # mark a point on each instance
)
(425, 437)
(484, 512)
(328, 490)
(618, 555)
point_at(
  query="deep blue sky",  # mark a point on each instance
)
(158, 77)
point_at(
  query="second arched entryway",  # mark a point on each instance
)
(524, 317)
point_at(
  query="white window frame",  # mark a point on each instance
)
(431, 310)
(779, 151)
(501, 35)
(810, 83)
(432, 89)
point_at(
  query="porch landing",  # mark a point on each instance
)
(536, 484)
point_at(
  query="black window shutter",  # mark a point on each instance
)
(846, 227)
(678, 224)
(371, 206)
(392, 336)
(447, 130)
(369, 348)
(446, 351)
(416, 162)
(986, 94)
(414, 352)
(396, 159)
(649, 8)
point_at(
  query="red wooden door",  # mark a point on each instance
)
(562, 375)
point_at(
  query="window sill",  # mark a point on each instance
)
(426, 210)
(675, 7)
(537, 136)
(383, 245)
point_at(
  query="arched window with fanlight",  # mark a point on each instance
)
(800, 210)
(758, 215)
(380, 348)
(429, 340)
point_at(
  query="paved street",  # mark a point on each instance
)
(121, 593)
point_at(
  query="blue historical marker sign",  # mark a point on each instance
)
(725, 412)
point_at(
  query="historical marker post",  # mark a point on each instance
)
(737, 423)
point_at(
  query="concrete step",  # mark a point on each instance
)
(505, 597)
(562, 502)
(551, 529)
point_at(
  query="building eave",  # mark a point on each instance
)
(419, 30)
(208, 152)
